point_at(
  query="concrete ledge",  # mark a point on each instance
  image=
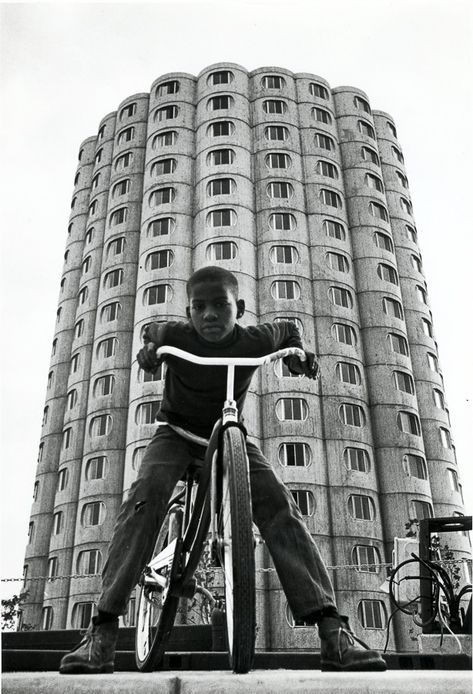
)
(256, 682)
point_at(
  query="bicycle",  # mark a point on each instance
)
(218, 509)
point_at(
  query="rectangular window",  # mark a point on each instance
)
(285, 289)
(352, 415)
(52, 567)
(164, 166)
(221, 129)
(324, 142)
(383, 241)
(282, 221)
(163, 196)
(171, 87)
(274, 106)
(366, 557)
(356, 459)
(294, 454)
(221, 77)
(292, 409)
(369, 154)
(222, 218)
(128, 111)
(161, 227)
(221, 156)
(404, 381)
(322, 116)
(453, 479)
(408, 422)
(304, 500)
(220, 186)
(392, 308)
(371, 615)
(378, 211)
(157, 294)
(118, 216)
(62, 477)
(366, 129)
(318, 90)
(222, 250)
(276, 133)
(81, 615)
(276, 160)
(344, 333)
(329, 197)
(362, 104)
(361, 507)
(218, 103)
(100, 425)
(280, 189)
(165, 139)
(422, 509)
(415, 466)
(107, 347)
(433, 362)
(57, 522)
(348, 373)
(166, 113)
(334, 229)
(399, 344)
(46, 618)
(273, 82)
(439, 399)
(341, 297)
(113, 278)
(445, 438)
(123, 161)
(374, 182)
(283, 254)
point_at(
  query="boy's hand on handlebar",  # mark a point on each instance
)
(309, 367)
(147, 358)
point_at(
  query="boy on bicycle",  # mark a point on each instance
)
(192, 402)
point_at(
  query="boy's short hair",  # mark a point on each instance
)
(212, 273)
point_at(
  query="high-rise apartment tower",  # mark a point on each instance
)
(301, 191)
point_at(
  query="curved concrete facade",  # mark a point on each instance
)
(301, 191)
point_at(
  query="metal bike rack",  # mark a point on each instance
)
(427, 526)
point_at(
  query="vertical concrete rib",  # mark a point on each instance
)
(351, 475)
(435, 424)
(62, 536)
(50, 455)
(165, 243)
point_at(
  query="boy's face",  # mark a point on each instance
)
(213, 310)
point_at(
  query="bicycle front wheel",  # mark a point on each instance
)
(238, 551)
(156, 606)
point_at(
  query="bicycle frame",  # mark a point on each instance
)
(229, 416)
(171, 571)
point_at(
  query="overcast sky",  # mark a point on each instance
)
(66, 65)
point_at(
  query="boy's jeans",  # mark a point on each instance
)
(299, 565)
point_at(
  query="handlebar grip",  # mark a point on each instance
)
(288, 352)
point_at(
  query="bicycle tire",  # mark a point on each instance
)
(238, 551)
(154, 621)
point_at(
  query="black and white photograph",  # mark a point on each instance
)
(237, 385)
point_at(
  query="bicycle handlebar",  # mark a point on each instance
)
(231, 361)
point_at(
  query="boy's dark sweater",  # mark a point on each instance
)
(194, 394)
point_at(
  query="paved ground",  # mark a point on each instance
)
(256, 682)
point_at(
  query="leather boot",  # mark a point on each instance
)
(95, 654)
(340, 648)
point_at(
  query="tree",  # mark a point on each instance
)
(11, 611)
